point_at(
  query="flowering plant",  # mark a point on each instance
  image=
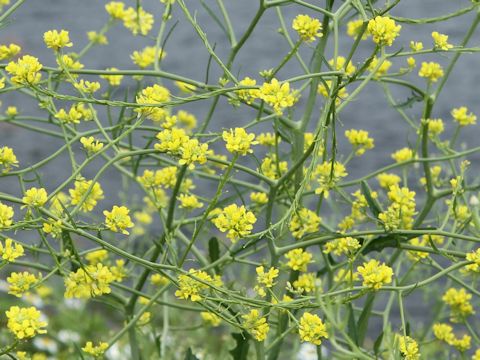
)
(259, 229)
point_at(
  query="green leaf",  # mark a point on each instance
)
(378, 343)
(240, 351)
(372, 203)
(213, 249)
(352, 326)
(362, 325)
(189, 355)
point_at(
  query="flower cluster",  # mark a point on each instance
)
(238, 141)
(383, 30)
(236, 221)
(265, 279)
(25, 322)
(91, 281)
(191, 288)
(256, 325)
(327, 175)
(118, 219)
(56, 40)
(308, 28)
(401, 210)
(459, 302)
(312, 329)
(26, 71)
(444, 332)
(304, 221)
(298, 259)
(360, 141)
(375, 274)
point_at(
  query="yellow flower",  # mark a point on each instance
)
(273, 169)
(69, 63)
(444, 332)
(113, 80)
(375, 274)
(360, 140)
(416, 45)
(97, 350)
(86, 86)
(298, 259)
(256, 325)
(325, 91)
(432, 71)
(304, 221)
(137, 21)
(383, 30)
(473, 256)
(354, 27)
(459, 302)
(340, 65)
(411, 62)
(305, 283)
(386, 180)
(35, 197)
(97, 256)
(116, 9)
(155, 94)
(146, 57)
(9, 51)
(383, 68)
(327, 175)
(236, 221)
(7, 158)
(417, 255)
(193, 152)
(435, 126)
(171, 141)
(189, 202)
(308, 28)
(476, 356)
(87, 193)
(400, 212)
(187, 119)
(26, 71)
(91, 144)
(462, 117)
(239, 141)
(56, 40)
(11, 250)
(409, 348)
(11, 112)
(340, 246)
(91, 281)
(20, 283)
(25, 322)
(185, 87)
(259, 198)
(312, 329)
(97, 38)
(118, 219)
(440, 41)
(211, 318)
(190, 288)
(402, 155)
(265, 279)
(248, 95)
(277, 95)
(267, 139)
(118, 270)
(345, 276)
(159, 280)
